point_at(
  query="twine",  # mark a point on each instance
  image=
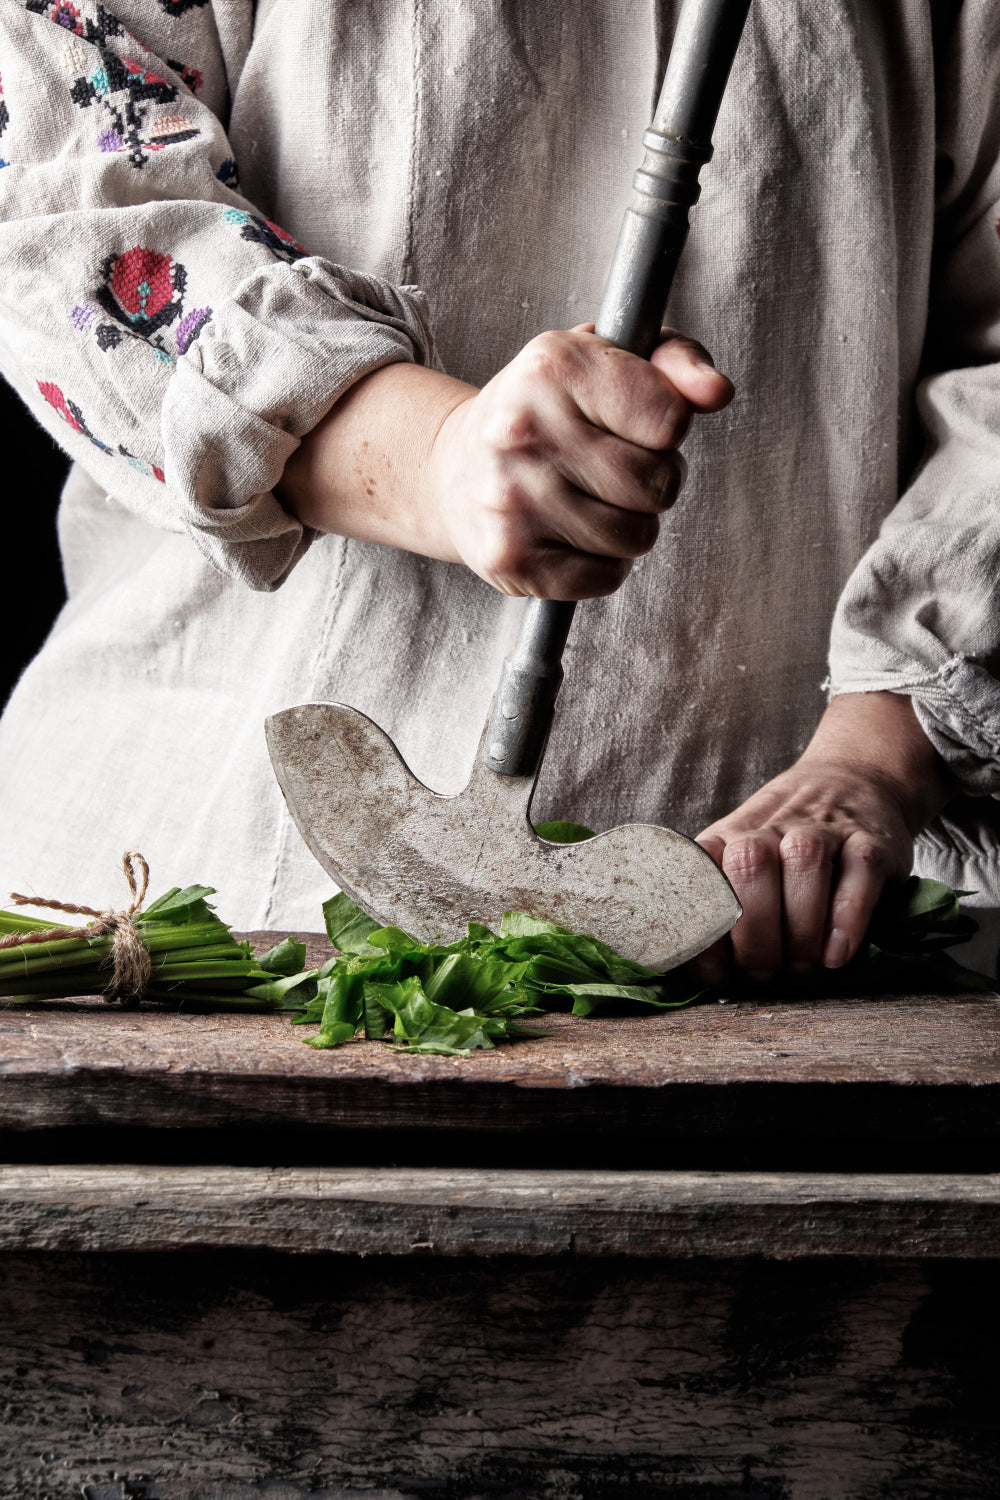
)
(131, 958)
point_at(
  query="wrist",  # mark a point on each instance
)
(879, 735)
(365, 471)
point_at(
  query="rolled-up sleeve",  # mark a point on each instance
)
(920, 614)
(167, 334)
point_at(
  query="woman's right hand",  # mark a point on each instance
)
(550, 481)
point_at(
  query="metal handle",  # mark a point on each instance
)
(655, 226)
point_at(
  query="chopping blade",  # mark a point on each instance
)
(430, 864)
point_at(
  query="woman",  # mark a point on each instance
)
(289, 485)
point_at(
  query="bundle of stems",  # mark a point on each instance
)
(193, 957)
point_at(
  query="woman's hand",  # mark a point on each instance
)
(809, 854)
(549, 481)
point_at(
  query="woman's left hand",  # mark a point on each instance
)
(809, 854)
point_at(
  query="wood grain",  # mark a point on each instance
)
(425, 1211)
(265, 1377)
(921, 1067)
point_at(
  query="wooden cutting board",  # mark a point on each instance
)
(915, 1067)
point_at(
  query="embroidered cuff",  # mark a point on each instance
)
(264, 371)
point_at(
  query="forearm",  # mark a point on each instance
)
(363, 471)
(879, 733)
(549, 481)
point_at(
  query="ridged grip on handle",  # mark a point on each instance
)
(653, 232)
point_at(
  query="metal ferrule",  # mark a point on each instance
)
(668, 178)
(526, 693)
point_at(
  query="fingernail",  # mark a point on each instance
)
(704, 363)
(836, 949)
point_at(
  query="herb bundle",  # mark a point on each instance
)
(193, 957)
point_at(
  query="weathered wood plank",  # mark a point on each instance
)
(911, 1067)
(213, 1376)
(425, 1211)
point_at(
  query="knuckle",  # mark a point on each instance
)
(749, 855)
(870, 854)
(668, 479)
(609, 577)
(549, 357)
(506, 552)
(669, 420)
(626, 534)
(803, 850)
(580, 577)
(644, 533)
(512, 425)
(847, 909)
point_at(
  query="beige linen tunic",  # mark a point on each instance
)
(158, 317)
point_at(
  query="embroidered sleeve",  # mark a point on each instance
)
(169, 336)
(921, 613)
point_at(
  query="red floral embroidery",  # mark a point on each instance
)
(73, 417)
(68, 410)
(143, 291)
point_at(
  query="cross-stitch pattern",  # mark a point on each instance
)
(228, 174)
(124, 89)
(192, 78)
(74, 418)
(265, 232)
(143, 291)
(71, 18)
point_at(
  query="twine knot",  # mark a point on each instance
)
(130, 956)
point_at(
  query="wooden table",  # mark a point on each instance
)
(744, 1249)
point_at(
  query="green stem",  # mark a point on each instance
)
(12, 922)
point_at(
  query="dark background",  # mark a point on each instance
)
(34, 586)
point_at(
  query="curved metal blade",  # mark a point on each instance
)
(430, 864)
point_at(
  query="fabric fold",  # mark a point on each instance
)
(273, 361)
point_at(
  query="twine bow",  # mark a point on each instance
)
(131, 958)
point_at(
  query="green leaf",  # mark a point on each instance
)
(340, 1018)
(560, 832)
(332, 1036)
(287, 957)
(182, 906)
(520, 924)
(347, 926)
(460, 980)
(291, 991)
(587, 997)
(394, 940)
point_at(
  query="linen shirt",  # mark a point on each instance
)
(217, 216)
